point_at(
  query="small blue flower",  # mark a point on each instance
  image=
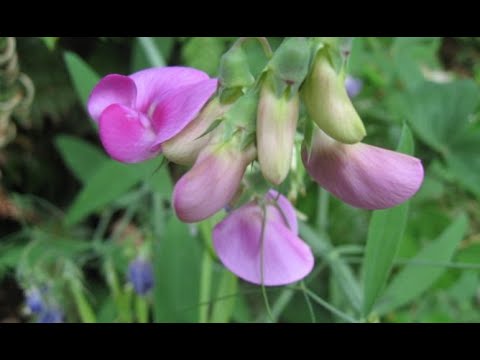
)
(140, 274)
(50, 316)
(35, 301)
(353, 85)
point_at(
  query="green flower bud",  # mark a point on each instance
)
(328, 104)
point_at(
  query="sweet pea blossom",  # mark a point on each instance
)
(137, 113)
(362, 175)
(212, 182)
(261, 245)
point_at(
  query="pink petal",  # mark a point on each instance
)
(179, 107)
(155, 83)
(112, 89)
(126, 134)
(237, 242)
(210, 184)
(288, 211)
(363, 175)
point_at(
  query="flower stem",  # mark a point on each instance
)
(141, 309)
(205, 277)
(322, 210)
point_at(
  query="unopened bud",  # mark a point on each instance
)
(328, 104)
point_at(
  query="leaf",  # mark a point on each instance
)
(413, 280)
(140, 61)
(50, 42)
(110, 181)
(84, 78)
(176, 265)
(82, 158)
(410, 54)
(153, 54)
(385, 233)
(438, 113)
(225, 299)
(203, 53)
(342, 273)
(463, 161)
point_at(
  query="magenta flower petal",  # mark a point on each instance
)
(112, 89)
(126, 134)
(363, 175)
(180, 106)
(155, 83)
(237, 241)
(211, 183)
(287, 209)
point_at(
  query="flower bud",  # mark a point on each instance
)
(276, 127)
(328, 104)
(212, 182)
(184, 148)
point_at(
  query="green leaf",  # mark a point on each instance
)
(385, 232)
(438, 113)
(225, 299)
(413, 280)
(463, 161)
(110, 181)
(203, 53)
(50, 42)
(81, 157)
(140, 60)
(152, 53)
(176, 265)
(410, 54)
(84, 78)
(342, 273)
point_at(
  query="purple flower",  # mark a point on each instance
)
(140, 274)
(353, 85)
(212, 182)
(51, 315)
(35, 301)
(280, 258)
(362, 175)
(137, 113)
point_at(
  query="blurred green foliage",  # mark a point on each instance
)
(80, 217)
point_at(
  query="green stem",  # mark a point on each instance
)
(205, 285)
(329, 307)
(141, 309)
(322, 210)
(84, 309)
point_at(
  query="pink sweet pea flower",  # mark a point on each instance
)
(212, 182)
(362, 175)
(280, 258)
(137, 113)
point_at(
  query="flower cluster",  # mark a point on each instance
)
(219, 127)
